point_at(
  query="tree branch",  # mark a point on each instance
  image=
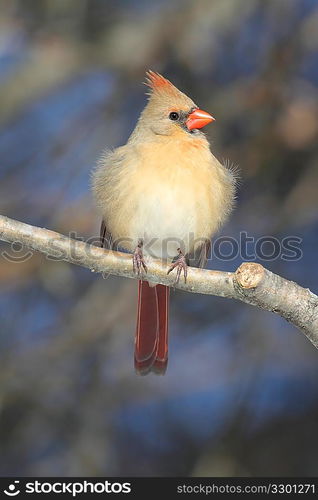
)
(250, 283)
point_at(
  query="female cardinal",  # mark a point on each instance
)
(162, 194)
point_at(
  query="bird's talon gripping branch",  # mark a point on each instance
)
(138, 259)
(180, 264)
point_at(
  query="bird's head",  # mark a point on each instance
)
(169, 111)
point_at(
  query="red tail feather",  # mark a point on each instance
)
(151, 342)
(161, 361)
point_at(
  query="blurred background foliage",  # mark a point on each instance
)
(240, 396)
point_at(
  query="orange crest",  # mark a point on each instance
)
(157, 82)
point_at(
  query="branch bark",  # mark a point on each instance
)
(250, 283)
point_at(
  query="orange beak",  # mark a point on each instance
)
(198, 119)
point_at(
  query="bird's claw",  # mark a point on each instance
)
(138, 260)
(180, 264)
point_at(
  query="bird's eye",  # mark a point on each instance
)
(174, 116)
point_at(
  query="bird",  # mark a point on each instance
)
(162, 195)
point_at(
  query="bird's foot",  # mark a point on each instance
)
(180, 264)
(138, 259)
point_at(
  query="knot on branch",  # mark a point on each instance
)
(249, 275)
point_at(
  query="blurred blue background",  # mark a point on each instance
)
(240, 396)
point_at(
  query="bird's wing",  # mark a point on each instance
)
(204, 253)
(105, 236)
(199, 256)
